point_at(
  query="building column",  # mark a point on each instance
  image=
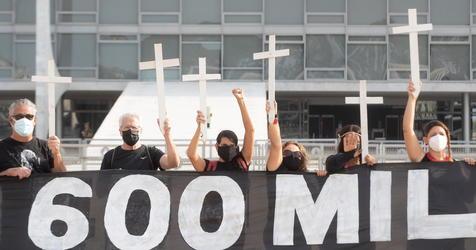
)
(466, 117)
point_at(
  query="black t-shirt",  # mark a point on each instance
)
(143, 158)
(34, 155)
(237, 164)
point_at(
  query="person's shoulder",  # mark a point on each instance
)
(154, 150)
(39, 141)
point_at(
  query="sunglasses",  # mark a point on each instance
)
(21, 116)
(295, 154)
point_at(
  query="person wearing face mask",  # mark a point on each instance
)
(22, 153)
(132, 155)
(291, 156)
(436, 136)
(348, 151)
(231, 157)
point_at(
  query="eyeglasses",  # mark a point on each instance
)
(21, 116)
(295, 154)
(134, 130)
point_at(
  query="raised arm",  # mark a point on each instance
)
(275, 157)
(248, 141)
(54, 146)
(192, 154)
(414, 150)
(171, 159)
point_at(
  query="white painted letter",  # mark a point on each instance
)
(190, 209)
(380, 205)
(43, 213)
(424, 226)
(115, 214)
(340, 194)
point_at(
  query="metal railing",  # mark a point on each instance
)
(81, 154)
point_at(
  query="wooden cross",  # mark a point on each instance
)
(363, 100)
(158, 65)
(51, 79)
(412, 29)
(271, 56)
(202, 78)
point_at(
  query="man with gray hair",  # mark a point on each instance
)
(22, 153)
(132, 155)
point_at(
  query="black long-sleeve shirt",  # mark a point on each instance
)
(336, 163)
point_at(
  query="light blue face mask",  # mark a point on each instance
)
(24, 127)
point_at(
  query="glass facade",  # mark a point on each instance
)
(329, 40)
(85, 51)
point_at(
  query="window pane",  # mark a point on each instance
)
(444, 12)
(160, 5)
(76, 50)
(243, 5)
(201, 12)
(474, 53)
(170, 46)
(118, 12)
(242, 18)
(75, 5)
(290, 67)
(325, 75)
(24, 60)
(242, 74)
(160, 18)
(325, 6)
(294, 12)
(406, 75)
(366, 62)
(449, 62)
(238, 50)
(6, 48)
(6, 5)
(118, 61)
(367, 12)
(25, 11)
(325, 51)
(192, 51)
(170, 49)
(400, 51)
(402, 6)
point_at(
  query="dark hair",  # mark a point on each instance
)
(302, 149)
(344, 130)
(227, 134)
(436, 123)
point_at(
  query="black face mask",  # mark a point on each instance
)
(227, 153)
(130, 138)
(292, 162)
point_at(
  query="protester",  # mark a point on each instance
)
(132, 155)
(230, 156)
(22, 153)
(349, 153)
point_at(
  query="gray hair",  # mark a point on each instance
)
(15, 104)
(128, 116)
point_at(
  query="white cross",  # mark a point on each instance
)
(51, 79)
(202, 78)
(412, 29)
(271, 56)
(363, 100)
(159, 64)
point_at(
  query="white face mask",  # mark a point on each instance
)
(24, 127)
(438, 143)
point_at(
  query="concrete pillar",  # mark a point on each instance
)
(466, 117)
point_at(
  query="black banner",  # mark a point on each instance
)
(392, 206)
